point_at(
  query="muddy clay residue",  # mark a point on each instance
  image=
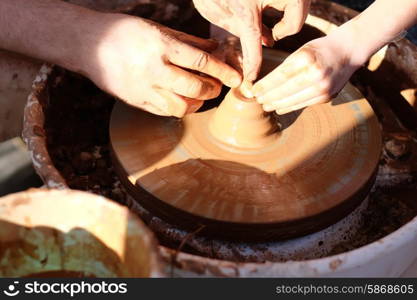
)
(77, 124)
(229, 164)
(77, 120)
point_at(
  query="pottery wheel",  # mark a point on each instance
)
(313, 172)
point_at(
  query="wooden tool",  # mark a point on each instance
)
(243, 175)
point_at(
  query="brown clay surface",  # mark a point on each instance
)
(241, 122)
(323, 157)
(70, 129)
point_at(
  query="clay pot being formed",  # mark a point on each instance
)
(390, 255)
(65, 233)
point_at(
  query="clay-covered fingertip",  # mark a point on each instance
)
(234, 82)
(178, 111)
(260, 99)
(267, 107)
(250, 76)
(178, 115)
(246, 89)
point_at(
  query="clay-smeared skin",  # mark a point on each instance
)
(314, 74)
(140, 62)
(243, 18)
(234, 170)
(149, 67)
(319, 70)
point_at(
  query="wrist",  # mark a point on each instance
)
(83, 39)
(357, 46)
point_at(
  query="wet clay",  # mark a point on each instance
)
(212, 169)
(241, 122)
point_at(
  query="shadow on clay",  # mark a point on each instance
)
(213, 179)
(303, 168)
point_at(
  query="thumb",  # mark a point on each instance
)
(175, 105)
(295, 14)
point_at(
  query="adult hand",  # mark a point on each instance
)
(313, 74)
(155, 68)
(243, 18)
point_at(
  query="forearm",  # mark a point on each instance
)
(49, 30)
(378, 25)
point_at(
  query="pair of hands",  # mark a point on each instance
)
(313, 74)
(170, 73)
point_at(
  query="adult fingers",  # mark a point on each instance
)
(285, 89)
(294, 100)
(251, 41)
(296, 63)
(295, 14)
(188, 84)
(149, 107)
(192, 58)
(176, 105)
(207, 45)
(314, 101)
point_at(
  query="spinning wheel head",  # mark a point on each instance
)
(229, 168)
